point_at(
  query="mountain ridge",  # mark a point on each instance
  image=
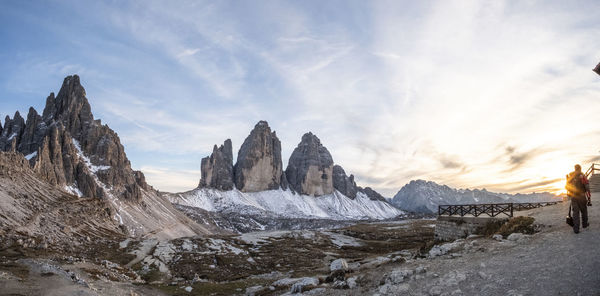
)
(425, 196)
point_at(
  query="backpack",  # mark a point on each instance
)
(575, 184)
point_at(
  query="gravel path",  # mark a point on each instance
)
(555, 261)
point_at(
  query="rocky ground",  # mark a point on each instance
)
(554, 261)
(385, 258)
(259, 263)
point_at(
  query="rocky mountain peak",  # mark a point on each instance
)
(217, 169)
(70, 107)
(259, 165)
(310, 169)
(68, 148)
(12, 132)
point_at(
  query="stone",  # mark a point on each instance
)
(310, 168)
(352, 282)
(340, 284)
(343, 183)
(439, 250)
(302, 283)
(483, 275)
(338, 264)
(435, 291)
(259, 165)
(399, 276)
(251, 291)
(188, 289)
(516, 237)
(217, 169)
(497, 237)
(420, 269)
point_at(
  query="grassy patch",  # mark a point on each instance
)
(152, 275)
(492, 227)
(517, 224)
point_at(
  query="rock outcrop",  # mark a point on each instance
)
(372, 194)
(68, 148)
(310, 169)
(343, 183)
(12, 132)
(217, 169)
(259, 166)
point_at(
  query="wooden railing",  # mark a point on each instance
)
(591, 171)
(491, 210)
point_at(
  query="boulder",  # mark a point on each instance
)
(338, 264)
(310, 168)
(259, 166)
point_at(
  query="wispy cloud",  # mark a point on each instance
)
(396, 90)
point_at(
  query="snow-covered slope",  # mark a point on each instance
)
(286, 204)
(425, 196)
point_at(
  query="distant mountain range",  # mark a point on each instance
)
(425, 196)
(66, 150)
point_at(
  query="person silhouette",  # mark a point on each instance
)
(578, 189)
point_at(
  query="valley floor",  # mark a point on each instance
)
(386, 258)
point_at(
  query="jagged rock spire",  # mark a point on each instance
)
(343, 183)
(217, 169)
(12, 132)
(259, 166)
(70, 107)
(33, 134)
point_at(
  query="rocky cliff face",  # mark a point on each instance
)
(217, 169)
(12, 132)
(343, 183)
(348, 187)
(372, 194)
(259, 166)
(310, 169)
(68, 148)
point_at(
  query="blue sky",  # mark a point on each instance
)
(494, 94)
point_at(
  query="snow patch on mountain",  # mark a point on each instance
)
(285, 203)
(425, 197)
(93, 168)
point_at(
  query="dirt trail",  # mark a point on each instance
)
(555, 261)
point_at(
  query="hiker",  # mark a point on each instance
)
(578, 189)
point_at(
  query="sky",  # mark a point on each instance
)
(472, 94)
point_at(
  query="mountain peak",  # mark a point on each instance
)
(259, 165)
(310, 169)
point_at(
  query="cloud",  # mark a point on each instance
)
(171, 180)
(457, 92)
(188, 52)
